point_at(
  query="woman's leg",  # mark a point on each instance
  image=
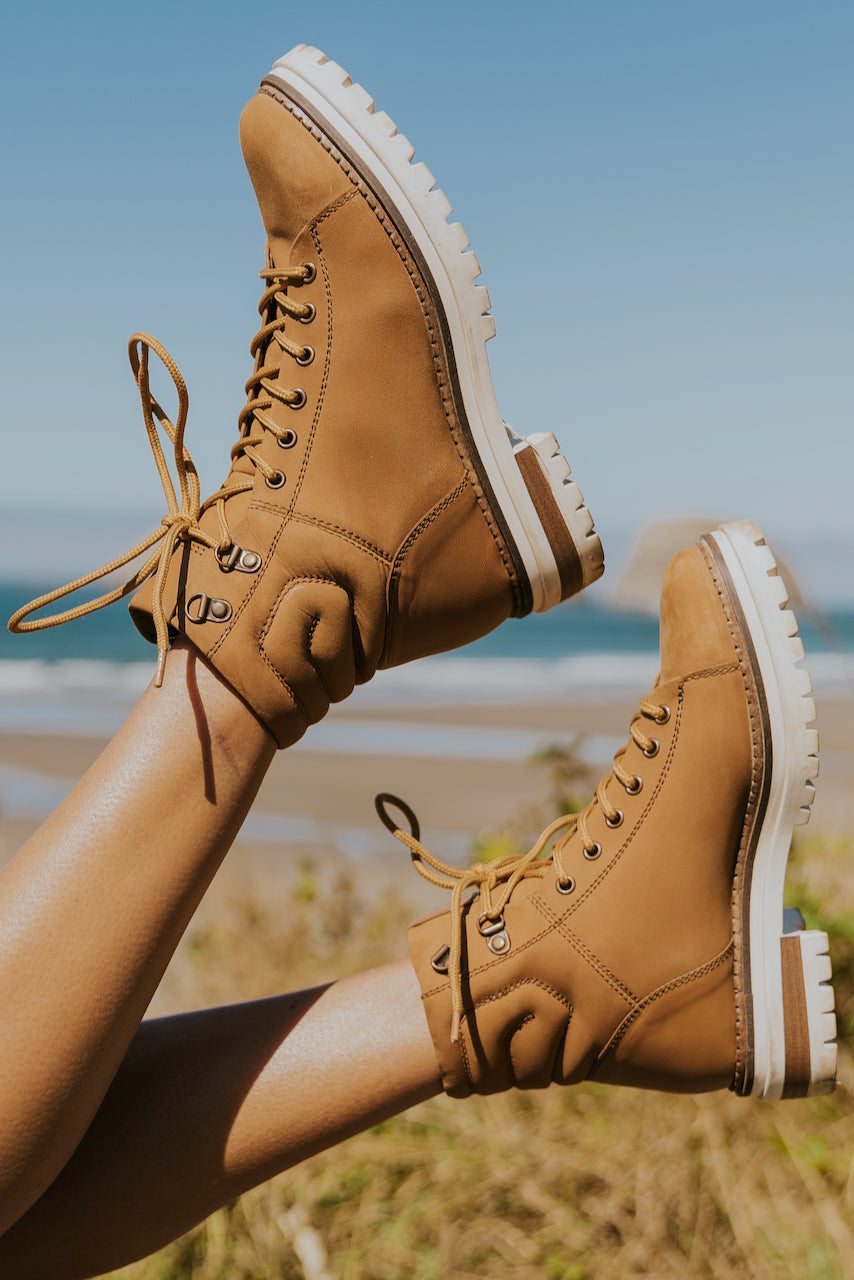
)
(93, 905)
(209, 1104)
(487, 525)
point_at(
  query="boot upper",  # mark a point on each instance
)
(627, 976)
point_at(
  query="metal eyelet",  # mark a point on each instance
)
(275, 481)
(636, 787)
(306, 357)
(654, 749)
(616, 821)
(564, 885)
(236, 558)
(486, 926)
(312, 272)
(499, 943)
(592, 854)
(312, 312)
(664, 717)
(301, 398)
(288, 440)
(209, 610)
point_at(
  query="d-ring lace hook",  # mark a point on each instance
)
(495, 881)
(505, 872)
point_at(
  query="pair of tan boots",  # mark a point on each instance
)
(377, 509)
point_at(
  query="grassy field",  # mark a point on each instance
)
(568, 1184)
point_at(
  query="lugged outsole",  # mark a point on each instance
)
(811, 964)
(782, 977)
(380, 153)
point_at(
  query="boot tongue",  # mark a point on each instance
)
(294, 178)
(293, 175)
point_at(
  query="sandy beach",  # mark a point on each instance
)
(466, 770)
(315, 888)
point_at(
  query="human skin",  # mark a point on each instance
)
(93, 905)
(208, 1104)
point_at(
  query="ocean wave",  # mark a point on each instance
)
(462, 678)
(101, 679)
(455, 677)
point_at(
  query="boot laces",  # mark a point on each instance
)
(181, 522)
(494, 882)
(268, 346)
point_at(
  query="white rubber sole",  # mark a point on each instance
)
(371, 142)
(787, 1000)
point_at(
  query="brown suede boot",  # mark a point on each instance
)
(377, 508)
(648, 947)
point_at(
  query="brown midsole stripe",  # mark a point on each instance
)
(564, 550)
(796, 1021)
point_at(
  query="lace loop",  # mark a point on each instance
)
(181, 522)
(502, 875)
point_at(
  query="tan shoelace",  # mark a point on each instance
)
(495, 881)
(181, 523)
(275, 308)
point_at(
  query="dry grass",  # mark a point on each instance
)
(561, 1185)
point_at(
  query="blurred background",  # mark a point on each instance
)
(660, 195)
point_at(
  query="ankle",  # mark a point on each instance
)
(218, 710)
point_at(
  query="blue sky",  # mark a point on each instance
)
(660, 195)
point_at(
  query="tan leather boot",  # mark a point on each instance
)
(648, 947)
(377, 508)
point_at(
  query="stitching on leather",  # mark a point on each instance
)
(511, 1069)
(724, 669)
(606, 974)
(264, 504)
(516, 986)
(431, 516)
(460, 1046)
(489, 964)
(693, 975)
(754, 719)
(315, 236)
(315, 667)
(269, 622)
(448, 407)
(538, 901)
(757, 748)
(256, 503)
(639, 825)
(560, 1055)
(347, 535)
(285, 512)
(558, 921)
(254, 586)
(665, 771)
(464, 1053)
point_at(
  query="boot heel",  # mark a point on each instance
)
(782, 991)
(809, 1023)
(544, 524)
(561, 513)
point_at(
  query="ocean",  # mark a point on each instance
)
(84, 676)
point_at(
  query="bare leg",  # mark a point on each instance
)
(209, 1104)
(94, 904)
